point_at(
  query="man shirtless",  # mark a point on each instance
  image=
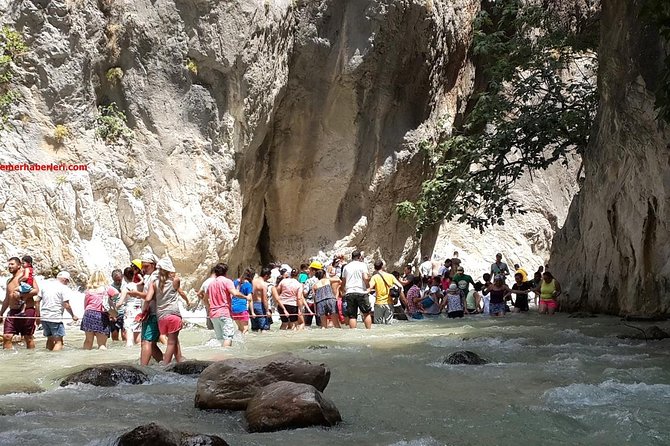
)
(261, 314)
(20, 306)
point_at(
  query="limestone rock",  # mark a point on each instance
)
(464, 357)
(288, 405)
(192, 367)
(107, 375)
(153, 434)
(231, 383)
(612, 254)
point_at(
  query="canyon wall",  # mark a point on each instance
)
(262, 129)
(613, 255)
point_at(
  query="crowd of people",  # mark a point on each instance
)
(140, 305)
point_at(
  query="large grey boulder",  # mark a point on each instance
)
(464, 357)
(107, 375)
(231, 383)
(156, 435)
(287, 405)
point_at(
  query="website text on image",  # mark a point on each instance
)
(37, 167)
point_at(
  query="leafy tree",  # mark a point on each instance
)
(12, 47)
(536, 107)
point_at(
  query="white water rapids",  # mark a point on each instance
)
(551, 381)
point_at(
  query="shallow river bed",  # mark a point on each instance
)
(551, 381)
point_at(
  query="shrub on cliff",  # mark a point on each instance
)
(111, 125)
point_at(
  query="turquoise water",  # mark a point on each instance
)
(551, 381)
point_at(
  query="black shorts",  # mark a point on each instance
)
(455, 314)
(292, 310)
(356, 301)
(116, 325)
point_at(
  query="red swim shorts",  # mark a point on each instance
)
(169, 324)
(549, 303)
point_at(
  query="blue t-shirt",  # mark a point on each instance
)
(240, 303)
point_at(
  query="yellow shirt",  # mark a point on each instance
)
(382, 289)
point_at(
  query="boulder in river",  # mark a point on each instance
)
(652, 333)
(107, 375)
(231, 383)
(288, 405)
(464, 357)
(192, 367)
(154, 434)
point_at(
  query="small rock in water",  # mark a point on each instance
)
(464, 357)
(193, 367)
(289, 405)
(652, 333)
(317, 347)
(107, 375)
(154, 434)
(582, 315)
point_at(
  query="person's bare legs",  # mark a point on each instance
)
(101, 339)
(148, 350)
(55, 343)
(7, 341)
(88, 340)
(30, 342)
(352, 322)
(172, 347)
(542, 309)
(367, 320)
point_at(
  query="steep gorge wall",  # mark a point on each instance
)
(613, 255)
(298, 132)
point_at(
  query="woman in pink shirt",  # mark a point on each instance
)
(95, 322)
(290, 302)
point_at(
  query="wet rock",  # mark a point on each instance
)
(231, 383)
(288, 405)
(464, 357)
(107, 375)
(582, 315)
(653, 333)
(8, 388)
(194, 367)
(644, 318)
(156, 435)
(317, 347)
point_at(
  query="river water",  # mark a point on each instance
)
(551, 381)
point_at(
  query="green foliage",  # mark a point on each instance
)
(192, 66)
(657, 12)
(529, 116)
(111, 124)
(12, 47)
(137, 192)
(114, 75)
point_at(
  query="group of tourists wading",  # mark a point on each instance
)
(140, 305)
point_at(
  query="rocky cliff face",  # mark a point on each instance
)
(263, 129)
(613, 253)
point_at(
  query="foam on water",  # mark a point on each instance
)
(605, 393)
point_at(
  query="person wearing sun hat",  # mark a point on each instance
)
(308, 291)
(150, 331)
(136, 265)
(163, 292)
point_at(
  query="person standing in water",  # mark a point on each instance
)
(356, 280)
(382, 283)
(150, 331)
(219, 300)
(163, 291)
(261, 314)
(325, 300)
(132, 308)
(54, 298)
(549, 290)
(97, 302)
(23, 310)
(499, 293)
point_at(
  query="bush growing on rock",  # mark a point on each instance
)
(61, 133)
(114, 75)
(192, 66)
(12, 46)
(111, 124)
